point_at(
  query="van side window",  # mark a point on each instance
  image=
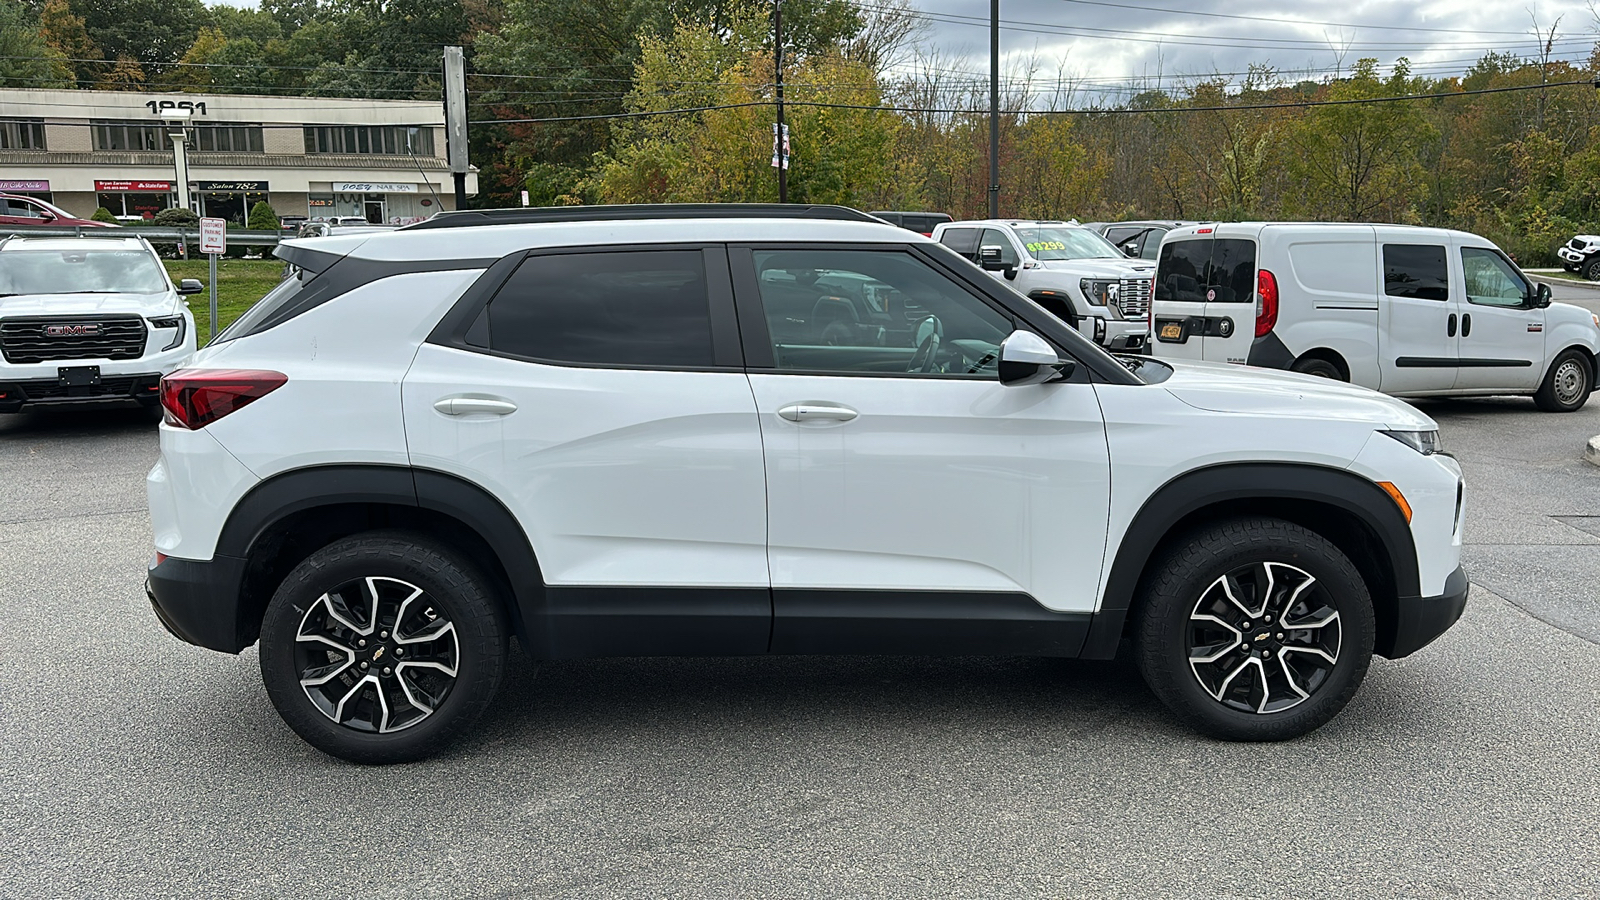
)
(1417, 271)
(1492, 280)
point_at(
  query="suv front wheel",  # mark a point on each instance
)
(383, 646)
(1254, 630)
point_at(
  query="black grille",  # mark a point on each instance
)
(37, 339)
(1576, 244)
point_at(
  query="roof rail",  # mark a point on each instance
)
(533, 215)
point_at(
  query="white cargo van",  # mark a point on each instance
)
(1409, 311)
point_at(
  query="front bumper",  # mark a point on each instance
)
(35, 392)
(199, 602)
(1419, 620)
(1569, 255)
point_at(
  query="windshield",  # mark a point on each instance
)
(80, 271)
(1047, 242)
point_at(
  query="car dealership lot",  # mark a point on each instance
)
(131, 762)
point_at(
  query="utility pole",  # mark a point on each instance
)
(455, 119)
(994, 109)
(780, 146)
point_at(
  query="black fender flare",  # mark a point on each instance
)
(1241, 483)
(299, 490)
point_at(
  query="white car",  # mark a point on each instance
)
(88, 320)
(637, 431)
(1413, 312)
(1581, 255)
(1072, 271)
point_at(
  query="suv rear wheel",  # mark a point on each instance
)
(383, 646)
(1254, 630)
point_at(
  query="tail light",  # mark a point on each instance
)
(1266, 302)
(194, 398)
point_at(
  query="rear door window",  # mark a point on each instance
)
(1233, 271)
(962, 240)
(1182, 270)
(1417, 271)
(644, 309)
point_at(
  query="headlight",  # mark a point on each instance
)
(1424, 442)
(1099, 291)
(170, 322)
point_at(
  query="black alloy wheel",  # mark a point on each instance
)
(1591, 269)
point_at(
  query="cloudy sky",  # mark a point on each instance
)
(1120, 46)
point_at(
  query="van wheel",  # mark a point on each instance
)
(1591, 269)
(1567, 385)
(1316, 365)
(382, 647)
(1254, 629)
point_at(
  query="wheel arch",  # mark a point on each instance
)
(1328, 355)
(1352, 512)
(288, 517)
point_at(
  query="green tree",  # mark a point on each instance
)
(64, 33)
(155, 33)
(26, 60)
(263, 217)
(1358, 161)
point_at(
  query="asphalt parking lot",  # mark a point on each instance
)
(133, 764)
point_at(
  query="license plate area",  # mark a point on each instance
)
(1171, 332)
(78, 376)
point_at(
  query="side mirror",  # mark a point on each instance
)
(190, 286)
(1026, 358)
(989, 256)
(1131, 249)
(1541, 296)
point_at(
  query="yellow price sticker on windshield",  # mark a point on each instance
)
(1036, 246)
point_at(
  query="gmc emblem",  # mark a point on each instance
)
(71, 330)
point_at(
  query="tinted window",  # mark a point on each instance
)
(1233, 271)
(880, 311)
(642, 308)
(1181, 271)
(1491, 279)
(1151, 243)
(962, 240)
(1417, 271)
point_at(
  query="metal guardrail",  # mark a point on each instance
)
(189, 236)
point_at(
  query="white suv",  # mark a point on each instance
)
(1072, 271)
(88, 320)
(725, 430)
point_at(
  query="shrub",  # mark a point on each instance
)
(104, 215)
(174, 217)
(263, 217)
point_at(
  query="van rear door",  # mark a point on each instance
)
(1179, 306)
(1205, 294)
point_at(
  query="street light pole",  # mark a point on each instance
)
(994, 109)
(777, 56)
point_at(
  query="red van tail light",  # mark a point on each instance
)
(194, 398)
(1266, 302)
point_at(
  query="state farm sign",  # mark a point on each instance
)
(159, 186)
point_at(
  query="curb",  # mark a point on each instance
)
(1591, 451)
(1564, 282)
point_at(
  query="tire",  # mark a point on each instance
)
(1185, 661)
(1567, 385)
(1591, 269)
(1316, 365)
(387, 714)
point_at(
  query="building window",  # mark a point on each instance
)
(21, 134)
(130, 206)
(228, 138)
(144, 136)
(369, 139)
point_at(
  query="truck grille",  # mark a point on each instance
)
(35, 339)
(1133, 297)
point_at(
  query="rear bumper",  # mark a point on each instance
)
(199, 601)
(1419, 620)
(36, 392)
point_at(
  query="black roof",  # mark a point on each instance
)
(534, 215)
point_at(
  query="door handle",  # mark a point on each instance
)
(475, 406)
(1466, 324)
(810, 412)
(1450, 326)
